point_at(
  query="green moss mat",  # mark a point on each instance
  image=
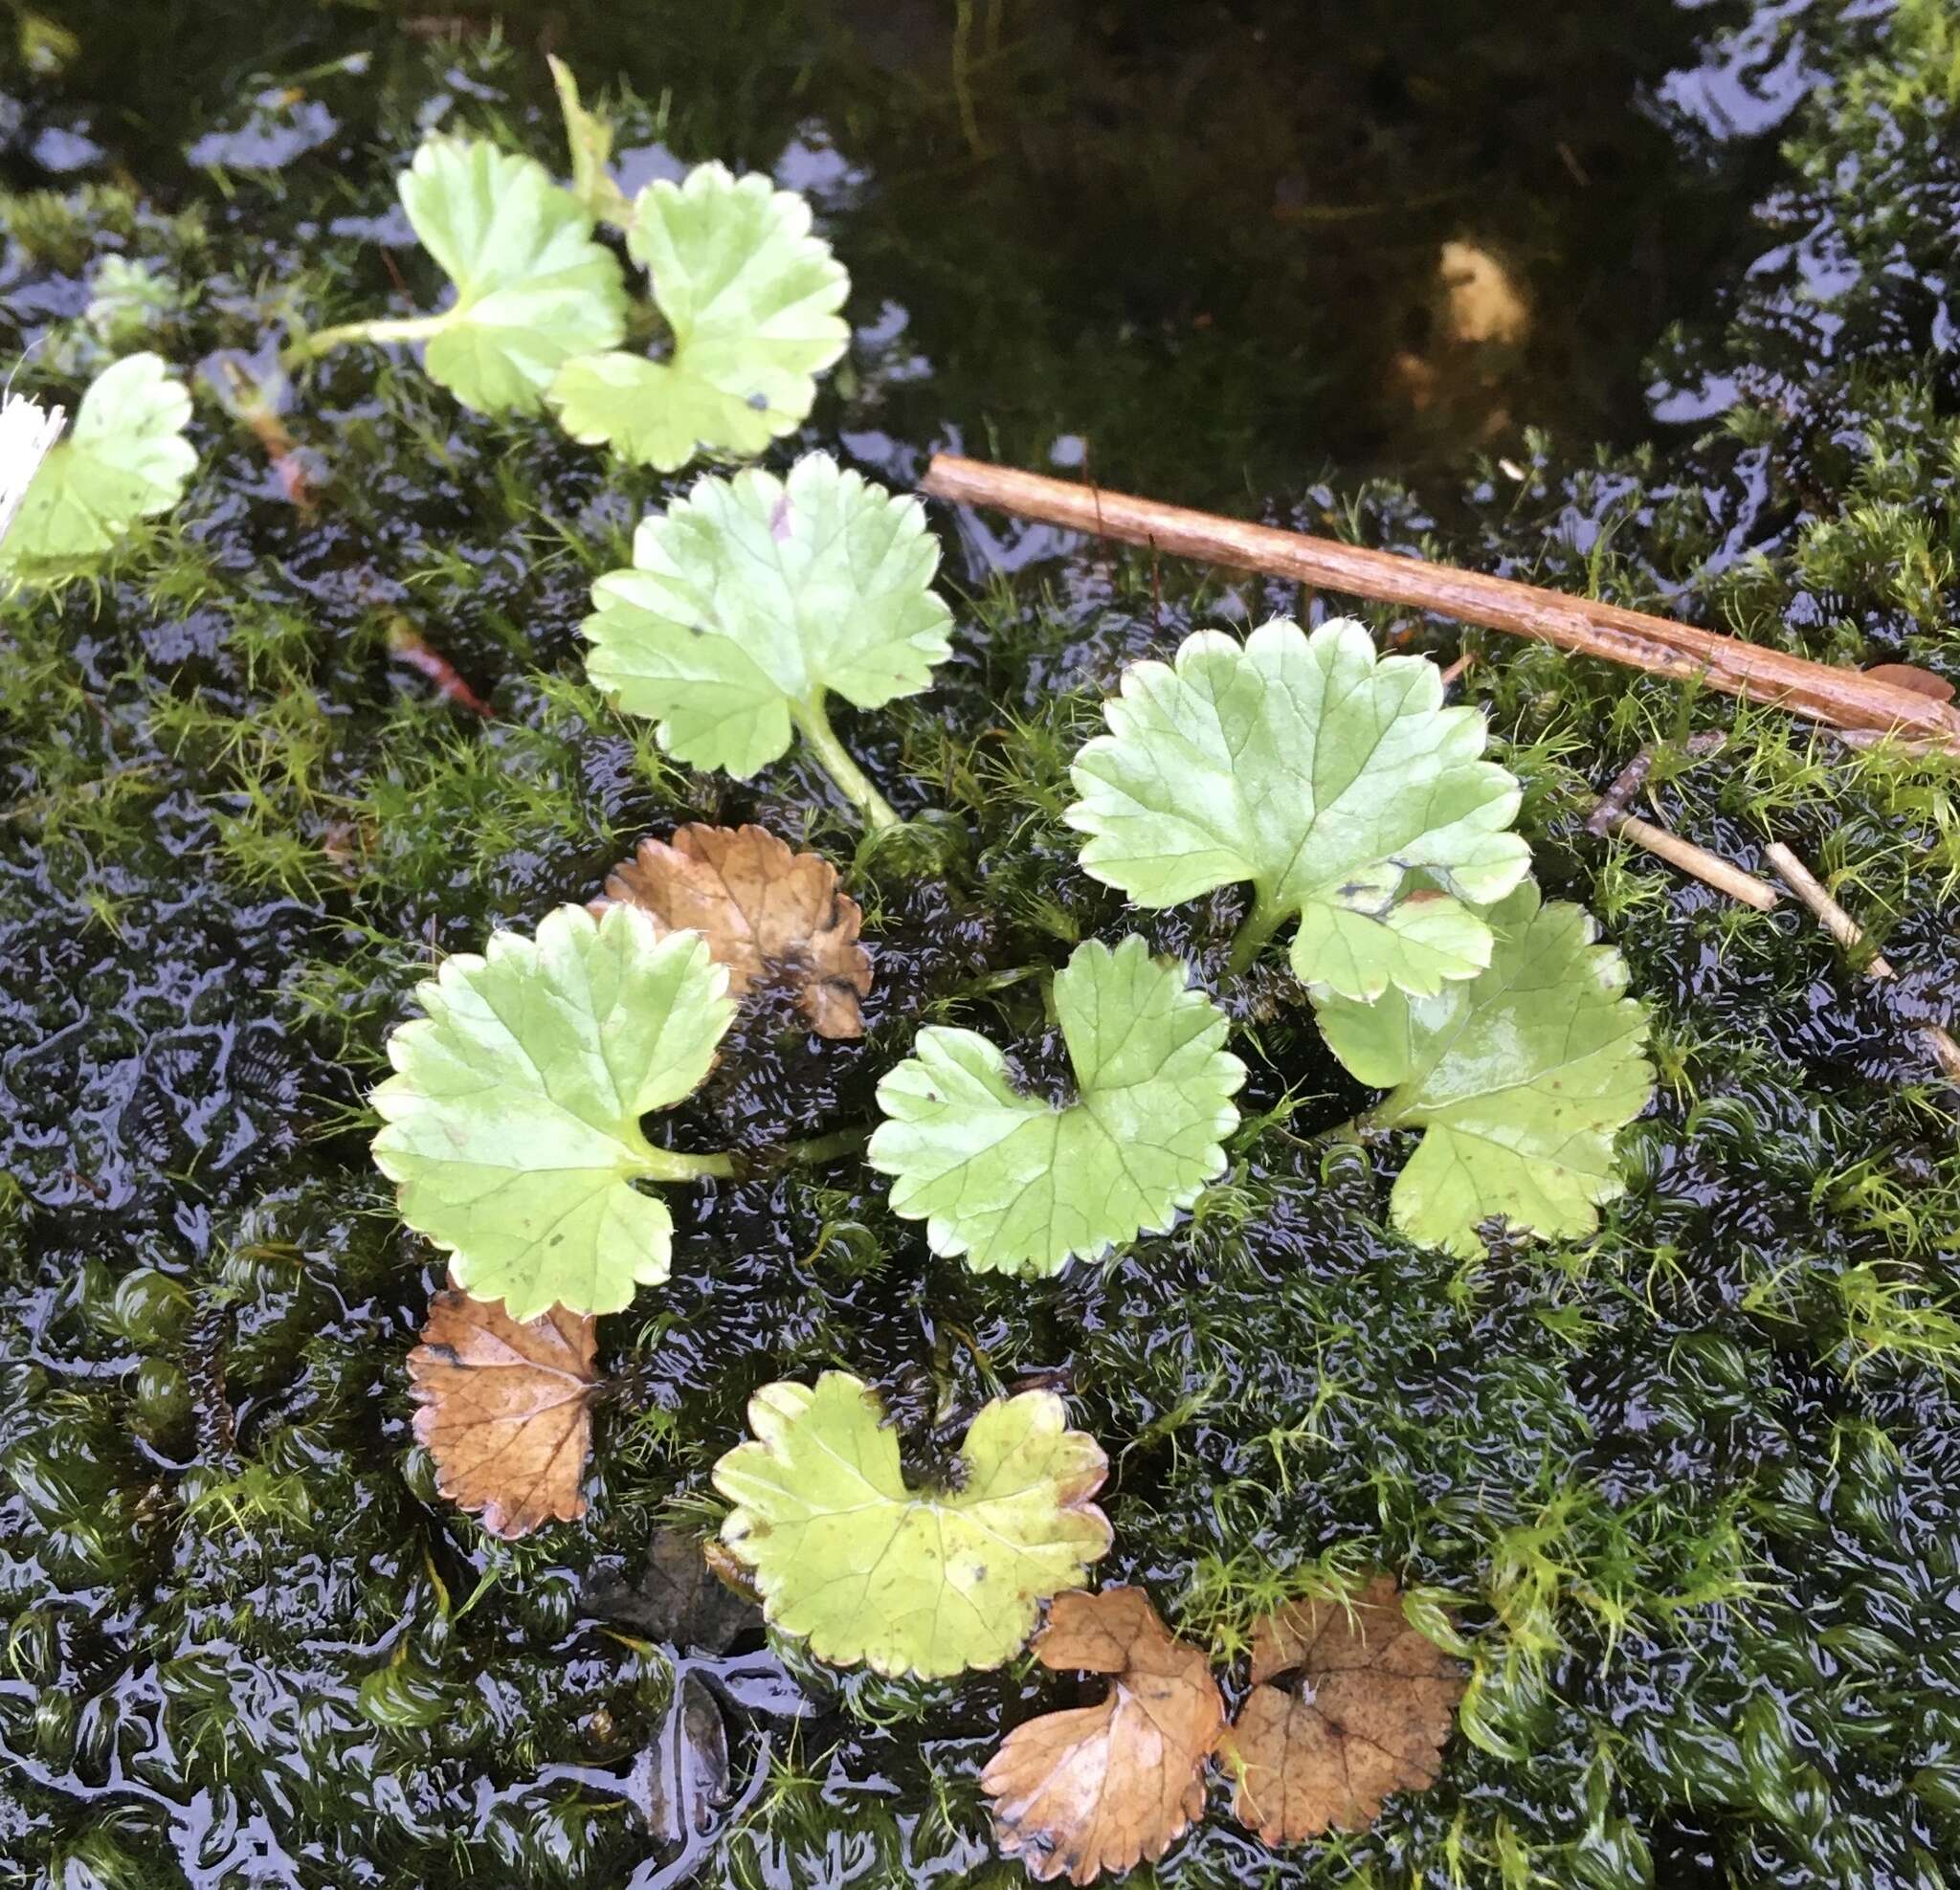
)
(1691, 1487)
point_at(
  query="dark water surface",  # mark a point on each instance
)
(1691, 1493)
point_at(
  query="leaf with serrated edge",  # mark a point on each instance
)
(1520, 1080)
(1110, 1786)
(908, 1581)
(1017, 1185)
(762, 907)
(753, 596)
(752, 297)
(1324, 776)
(1371, 1711)
(505, 1409)
(532, 288)
(512, 1122)
(125, 458)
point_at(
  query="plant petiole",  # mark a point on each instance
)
(674, 1165)
(1254, 929)
(814, 722)
(395, 328)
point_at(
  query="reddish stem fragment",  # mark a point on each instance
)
(405, 644)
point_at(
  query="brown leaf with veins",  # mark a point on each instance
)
(1106, 1786)
(1374, 1703)
(506, 1409)
(757, 905)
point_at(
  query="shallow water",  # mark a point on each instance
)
(1195, 255)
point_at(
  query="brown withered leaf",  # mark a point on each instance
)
(1909, 676)
(1106, 1787)
(758, 904)
(1370, 1710)
(506, 1409)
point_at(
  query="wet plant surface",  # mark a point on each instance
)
(1688, 1487)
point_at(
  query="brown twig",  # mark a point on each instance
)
(1711, 869)
(1837, 697)
(1618, 798)
(1850, 934)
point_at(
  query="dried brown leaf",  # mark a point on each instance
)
(1106, 1787)
(1370, 1713)
(758, 904)
(506, 1409)
(1909, 676)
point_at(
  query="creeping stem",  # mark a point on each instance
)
(402, 328)
(673, 1164)
(814, 722)
(1254, 929)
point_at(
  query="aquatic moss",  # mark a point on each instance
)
(1686, 1488)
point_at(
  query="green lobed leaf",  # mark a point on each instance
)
(1326, 776)
(910, 1581)
(512, 1121)
(752, 597)
(1016, 1183)
(532, 288)
(124, 458)
(752, 297)
(1520, 1079)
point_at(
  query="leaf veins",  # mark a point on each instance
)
(759, 905)
(1106, 1787)
(1370, 1710)
(506, 1409)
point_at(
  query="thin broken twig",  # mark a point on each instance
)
(1837, 697)
(1711, 869)
(1618, 798)
(1849, 935)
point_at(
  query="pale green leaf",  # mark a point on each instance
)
(1016, 1184)
(752, 297)
(751, 597)
(908, 1581)
(588, 138)
(1324, 776)
(124, 458)
(512, 1121)
(532, 288)
(1520, 1079)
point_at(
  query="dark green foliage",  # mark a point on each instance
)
(1688, 1492)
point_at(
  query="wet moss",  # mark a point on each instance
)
(1686, 1492)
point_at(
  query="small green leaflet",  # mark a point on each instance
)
(588, 137)
(1324, 776)
(1016, 1185)
(752, 297)
(533, 289)
(909, 1581)
(751, 597)
(126, 300)
(125, 458)
(512, 1121)
(1519, 1078)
